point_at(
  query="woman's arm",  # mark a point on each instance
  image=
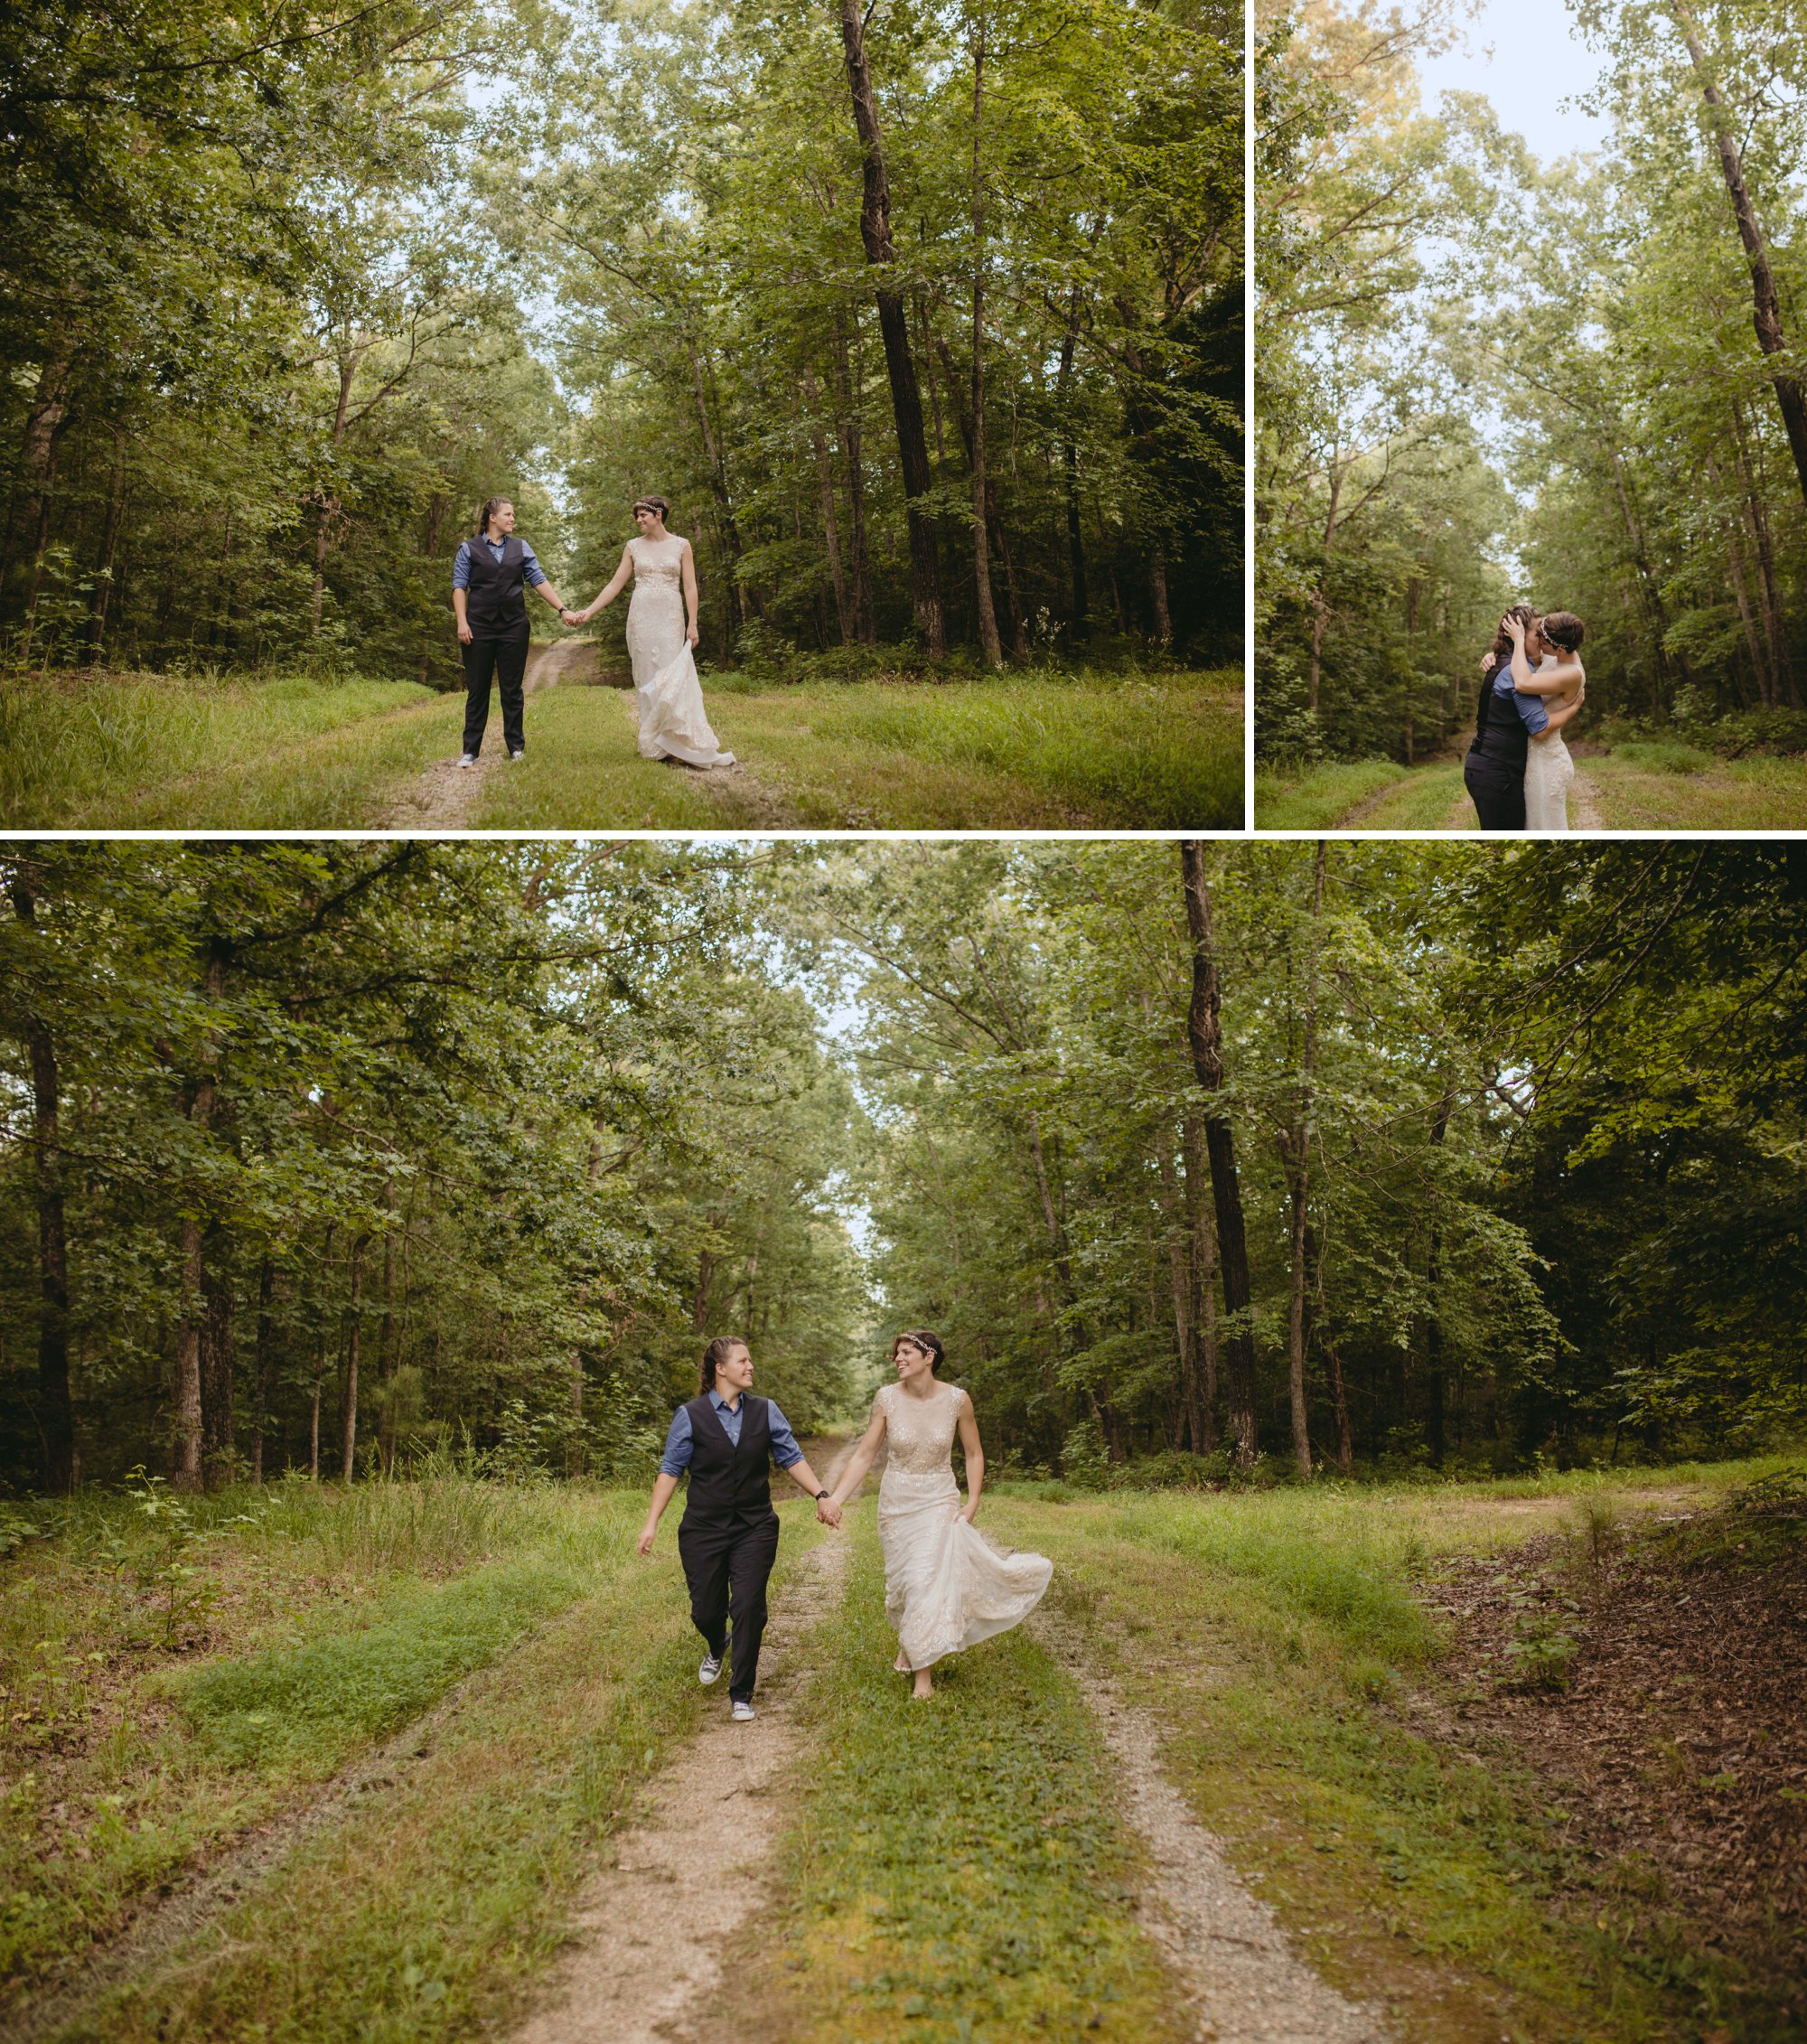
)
(661, 1496)
(1564, 713)
(975, 1461)
(616, 584)
(689, 573)
(1547, 680)
(854, 1474)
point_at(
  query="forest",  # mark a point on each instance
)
(1482, 376)
(926, 318)
(1211, 1162)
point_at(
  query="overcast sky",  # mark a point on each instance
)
(1527, 57)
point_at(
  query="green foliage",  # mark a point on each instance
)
(1601, 434)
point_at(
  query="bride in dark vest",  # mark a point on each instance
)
(660, 639)
(945, 1586)
(727, 1439)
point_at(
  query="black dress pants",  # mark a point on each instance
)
(1496, 787)
(506, 659)
(728, 1564)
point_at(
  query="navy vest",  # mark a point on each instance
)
(496, 602)
(1499, 730)
(729, 1482)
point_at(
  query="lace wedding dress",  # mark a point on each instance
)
(945, 1586)
(667, 692)
(1549, 770)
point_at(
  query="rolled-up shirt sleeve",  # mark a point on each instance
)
(784, 1448)
(461, 566)
(530, 567)
(679, 1445)
(1530, 708)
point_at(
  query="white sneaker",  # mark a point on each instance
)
(517, 755)
(468, 759)
(710, 1669)
(743, 1713)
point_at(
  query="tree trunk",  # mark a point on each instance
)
(109, 550)
(1203, 1256)
(218, 1446)
(906, 400)
(981, 548)
(740, 599)
(263, 1357)
(47, 420)
(853, 445)
(185, 1473)
(1157, 592)
(353, 1328)
(56, 1412)
(436, 513)
(1206, 1039)
(1766, 305)
(1433, 1321)
(831, 527)
(1078, 624)
(1296, 1162)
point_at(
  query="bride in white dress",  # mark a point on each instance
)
(945, 1586)
(1554, 642)
(667, 692)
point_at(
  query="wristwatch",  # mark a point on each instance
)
(820, 1495)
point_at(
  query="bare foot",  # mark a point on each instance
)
(901, 1665)
(925, 1688)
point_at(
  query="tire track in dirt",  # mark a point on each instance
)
(1241, 1978)
(655, 1927)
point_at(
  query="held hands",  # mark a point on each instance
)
(827, 1512)
(570, 618)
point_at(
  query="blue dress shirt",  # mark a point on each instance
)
(530, 560)
(680, 1442)
(1531, 708)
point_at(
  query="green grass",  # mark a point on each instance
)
(1148, 751)
(430, 1910)
(323, 1622)
(1279, 1639)
(957, 1875)
(1640, 784)
(167, 751)
(1017, 751)
(1658, 785)
(1319, 797)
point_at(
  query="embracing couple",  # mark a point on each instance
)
(945, 1586)
(491, 576)
(1518, 769)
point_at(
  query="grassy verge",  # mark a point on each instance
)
(166, 752)
(957, 1875)
(1278, 1640)
(1320, 797)
(428, 1911)
(1148, 751)
(165, 1694)
(1653, 785)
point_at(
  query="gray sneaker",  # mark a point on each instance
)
(710, 1669)
(743, 1713)
(467, 759)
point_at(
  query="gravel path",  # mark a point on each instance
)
(656, 1926)
(1244, 1982)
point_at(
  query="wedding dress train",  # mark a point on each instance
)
(945, 1586)
(667, 692)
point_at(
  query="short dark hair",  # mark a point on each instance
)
(1563, 628)
(490, 506)
(657, 504)
(717, 1354)
(922, 1339)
